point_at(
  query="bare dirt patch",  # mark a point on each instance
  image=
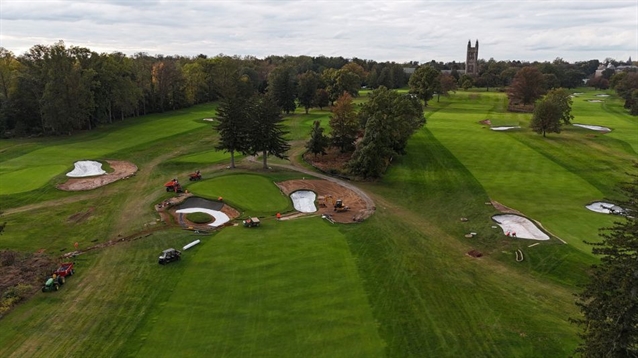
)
(121, 170)
(81, 216)
(323, 188)
(333, 162)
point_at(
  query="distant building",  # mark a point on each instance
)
(471, 59)
(471, 62)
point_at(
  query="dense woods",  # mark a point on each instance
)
(58, 89)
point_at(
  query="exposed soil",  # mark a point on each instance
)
(121, 170)
(333, 162)
(24, 268)
(327, 189)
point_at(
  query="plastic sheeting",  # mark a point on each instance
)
(304, 201)
(86, 168)
(605, 208)
(521, 226)
(220, 218)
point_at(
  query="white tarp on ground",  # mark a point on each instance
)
(605, 208)
(504, 128)
(86, 168)
(220, 218)
(522, 227)
(304, 201)
(594, 128)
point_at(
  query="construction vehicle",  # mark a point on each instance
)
(169, 255)
(174, 186)
(195, 176)
(338, 206)
(53, 283)
(252, 222)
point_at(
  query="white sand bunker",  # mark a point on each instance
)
(209, 119)
(220, 218)
(304, 201)
(594, 100)
(605, 208)
(504, 128)
(594, 128)
(602, 95)
(520, 227)
(86, 168)
(578, 93)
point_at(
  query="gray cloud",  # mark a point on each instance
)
(380, 30)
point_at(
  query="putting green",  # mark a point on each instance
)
(254, 194)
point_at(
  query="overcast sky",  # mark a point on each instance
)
(388, 30)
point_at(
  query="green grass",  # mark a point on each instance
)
(253, 194)
(396, 285)
(263, 292)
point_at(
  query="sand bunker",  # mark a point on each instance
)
(578, 93)
(304, 201)
(200, 205)
(504, 128)
(602, 95)
(605, 208)
(86, 168)
(220, 218)
(209, 119)
(594, 100)
(592, 127)
(520, 227)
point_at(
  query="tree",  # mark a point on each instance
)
(266, 133)
(424, 82)
(625, 84)
(344, 123)
(609, 302)
(307, 89)
(563, 100)
(448, 83)
(322, 98)
(318, 141)
(527, 86)
(282, 88)
(233, 126)
(390, 119)
(546, 118)
(599, 83)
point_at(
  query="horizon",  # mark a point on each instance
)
(400, 32)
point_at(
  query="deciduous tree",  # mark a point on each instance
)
(424, 82)
(527, 86)
(307, 89)
(344, 123)
(282, 88)
(546, 118)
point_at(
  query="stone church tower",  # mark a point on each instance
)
(471, 61)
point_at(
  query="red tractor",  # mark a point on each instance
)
(195, 176)
(174, 186)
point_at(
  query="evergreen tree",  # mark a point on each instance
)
(233, 126)
(318, 141)
(266, 133)
(609, 302)
(282, 88)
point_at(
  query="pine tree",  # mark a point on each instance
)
(609, 302)
(318, 141)
(266, 133)
(232, 126)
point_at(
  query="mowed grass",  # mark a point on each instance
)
(207, 157)
(549, 179)
(253, 194)
(277, 290)
(62, 153)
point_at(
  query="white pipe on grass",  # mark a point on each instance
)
(191, 244)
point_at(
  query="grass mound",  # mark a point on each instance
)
(199, 218)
